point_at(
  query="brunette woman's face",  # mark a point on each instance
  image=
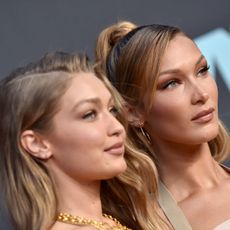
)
(184, 108)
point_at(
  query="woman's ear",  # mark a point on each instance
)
(134, 117)
(35, 145)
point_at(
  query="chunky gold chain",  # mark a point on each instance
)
(77, 220)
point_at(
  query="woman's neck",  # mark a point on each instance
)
(190, 168)
(79, 198)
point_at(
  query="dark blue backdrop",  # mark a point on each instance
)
(29, 28)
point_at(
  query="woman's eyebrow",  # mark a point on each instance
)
(88, 100)
(174, 71)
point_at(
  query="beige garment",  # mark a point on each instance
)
(171, 210)
(224, 226)
(174, 213)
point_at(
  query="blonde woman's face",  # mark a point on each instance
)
(87, 142)
(185, 107)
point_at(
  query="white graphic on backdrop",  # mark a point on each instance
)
(215, 46)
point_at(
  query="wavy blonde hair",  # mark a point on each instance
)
(29, 98)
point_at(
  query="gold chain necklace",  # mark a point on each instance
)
(77, 220)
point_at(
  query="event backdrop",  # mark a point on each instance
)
(30, 28)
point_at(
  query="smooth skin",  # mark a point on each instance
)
(182, 119)
(84, 146)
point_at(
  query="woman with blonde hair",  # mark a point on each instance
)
(64, 159)
(172, 107)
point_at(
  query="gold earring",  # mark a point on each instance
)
(145, 134)
(140, 124)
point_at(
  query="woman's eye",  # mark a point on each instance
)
(114, 110)
(170, 84)
(90, 115)
(203, 70)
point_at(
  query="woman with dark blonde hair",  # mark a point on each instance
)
(172, 107)
(64, 159)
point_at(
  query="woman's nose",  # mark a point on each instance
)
(115, 127)
(199, 95)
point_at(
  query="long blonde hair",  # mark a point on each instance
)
(29, 98)
(131, 191)
(131, 57)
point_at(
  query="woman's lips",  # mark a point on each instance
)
(204, 116)
(116, 149)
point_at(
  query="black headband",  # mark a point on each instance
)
(116, 51)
